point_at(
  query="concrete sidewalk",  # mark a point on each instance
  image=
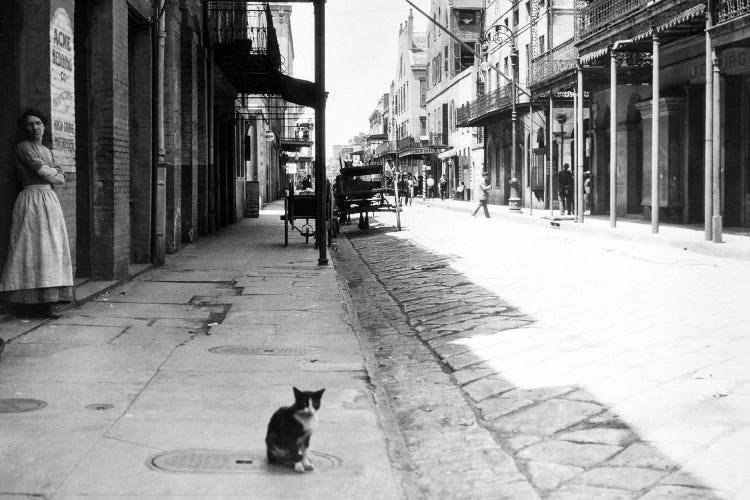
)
(163, 386)
(736, 244)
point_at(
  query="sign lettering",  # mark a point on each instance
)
(62, 91)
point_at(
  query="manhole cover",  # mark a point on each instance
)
(20, 405)
(231, 461)
(241, 350)
(99, 406)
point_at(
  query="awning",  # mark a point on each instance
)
(467, 4)
(449, 154)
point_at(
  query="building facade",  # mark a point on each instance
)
(146, 118)
(453, 80)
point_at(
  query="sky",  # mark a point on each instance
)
(361, 57)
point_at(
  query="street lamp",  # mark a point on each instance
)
(500, 34)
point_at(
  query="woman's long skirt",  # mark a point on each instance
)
(38, 269)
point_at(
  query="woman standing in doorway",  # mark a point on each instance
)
(38, 273)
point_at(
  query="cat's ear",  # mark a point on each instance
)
(318, 394)
(297, 392)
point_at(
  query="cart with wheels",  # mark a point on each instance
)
(303, 205)
(363, 190)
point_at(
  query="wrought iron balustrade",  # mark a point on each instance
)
(300, 133)
(730, 9)
(233, 22)
(599, 14)
(497, 100)
(559, 60)
(385, 148)
(433, 139)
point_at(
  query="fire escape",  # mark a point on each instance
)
(246, 49)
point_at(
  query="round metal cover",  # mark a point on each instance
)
(241, 350)
(230, 461)
(20, 405)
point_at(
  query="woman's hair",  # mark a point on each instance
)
(31, 112)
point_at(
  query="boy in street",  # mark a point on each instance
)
(484, 195)
(443, 186)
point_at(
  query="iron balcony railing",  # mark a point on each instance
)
(302, 133)
(497, 100)
(385, 148)
(729, 9)
(559, 60)
(431, 140)
(599, 14)
(234, 21)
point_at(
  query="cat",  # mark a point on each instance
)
(290, 428)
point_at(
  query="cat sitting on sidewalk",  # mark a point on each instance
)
(290, 428)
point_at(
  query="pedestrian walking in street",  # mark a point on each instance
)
(443, 186)
(484, 195)
(565, 182)
(38, 273)
(410, 182)
(430, 186)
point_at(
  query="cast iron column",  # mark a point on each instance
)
(655, 135)
(320, 131)
(708, 152)
(612, 138)
(579, 144)
(514, 201)
(716, 221)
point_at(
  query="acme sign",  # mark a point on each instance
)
(62, 90)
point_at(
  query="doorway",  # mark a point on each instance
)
(140, 124)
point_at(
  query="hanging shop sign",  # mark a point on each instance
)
(62, 91)
(270, 136)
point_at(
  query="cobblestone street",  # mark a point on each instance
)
(538, 364)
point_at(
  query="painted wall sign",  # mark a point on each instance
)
(733, 61)
(62, 91)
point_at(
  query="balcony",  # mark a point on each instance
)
(385, 148)
(601, 22)
(296, 137)
(247, 52)
(476, 112)
(728, 10)
(244, 41)
(430, 144)
(553, 66)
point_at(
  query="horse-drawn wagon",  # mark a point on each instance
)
(363, 190)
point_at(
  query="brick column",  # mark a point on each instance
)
(173, 126)
(110, 137)
(189, 133)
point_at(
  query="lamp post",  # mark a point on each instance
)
(500, 34)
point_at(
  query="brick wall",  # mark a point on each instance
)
(9, 103)
(189, 131)
(203, 159)
(110, 137)
(173, 125)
